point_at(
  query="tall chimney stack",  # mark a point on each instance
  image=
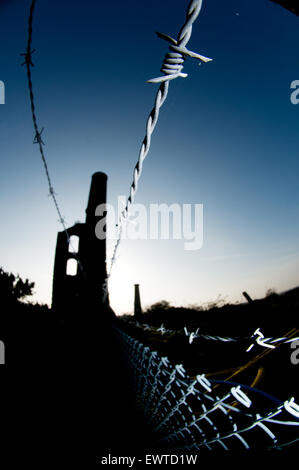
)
(137, 303)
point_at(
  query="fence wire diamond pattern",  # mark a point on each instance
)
(188, 414)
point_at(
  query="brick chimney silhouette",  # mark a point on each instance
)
(83, 288)
(137, 302)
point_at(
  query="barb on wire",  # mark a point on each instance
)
(38, 140)
(173, 62)
(38, 134)
(172, 69)
(192, 335)
(268, 342)
(161, 329)
(28, 58)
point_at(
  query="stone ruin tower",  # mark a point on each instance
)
(84, 287)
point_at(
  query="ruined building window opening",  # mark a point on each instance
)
(74, 244)
(72, 267)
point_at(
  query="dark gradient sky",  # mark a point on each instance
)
(228, 137)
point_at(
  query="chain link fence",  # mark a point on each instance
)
(186, 414)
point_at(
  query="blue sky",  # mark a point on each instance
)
(227, 138)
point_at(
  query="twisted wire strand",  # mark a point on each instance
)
(186, 30)
(172, 67)
(145, 147)
(264, 342)
(173, 62)
(38, 134)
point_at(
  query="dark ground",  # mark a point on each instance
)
(66, 398)
(64, 393)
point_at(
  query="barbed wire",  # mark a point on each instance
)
(38, 133)
(172, 68)
(268, 342)
(173, 62)
(257, 336)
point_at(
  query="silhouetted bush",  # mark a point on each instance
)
(13, 287)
